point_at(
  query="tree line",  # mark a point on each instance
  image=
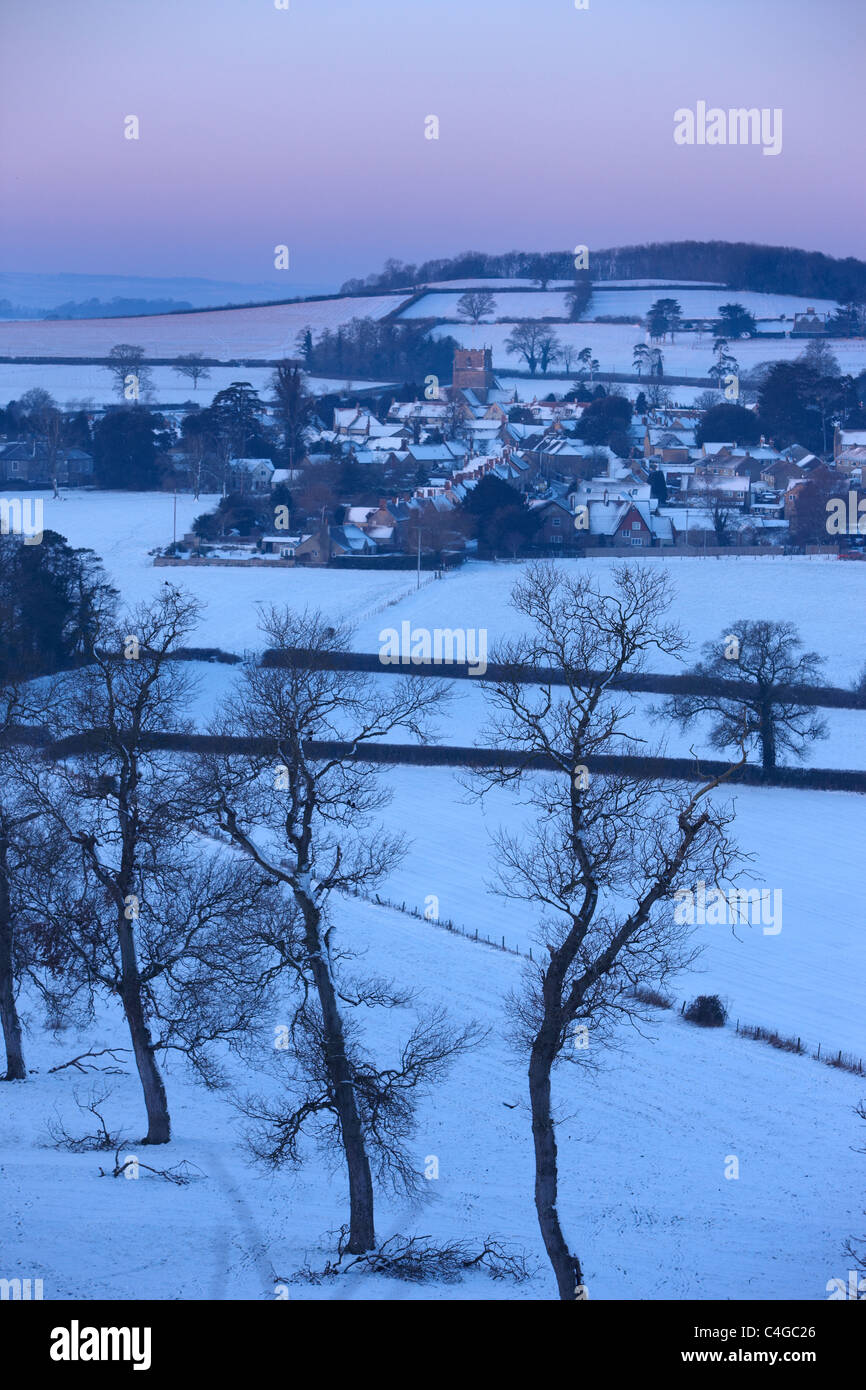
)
(738, 265)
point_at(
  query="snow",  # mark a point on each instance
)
(820, 595)
(535, 305)
(613, 344)
(643, 1144)
(800, 981)
(625, 297)
(704, 303)
(258, 331)
(493, 284)
(660, 284)
(643, 1196)
(86, 383)
(539, 388)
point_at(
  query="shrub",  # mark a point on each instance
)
(654, 997)
(707, 1011)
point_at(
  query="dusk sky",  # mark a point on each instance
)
(261, 126)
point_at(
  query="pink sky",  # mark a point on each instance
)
(260, 126)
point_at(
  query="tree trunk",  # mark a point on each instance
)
(156, 1103)
(361, 1226)
(768, 737)
(566, 1267)
(15, 1068)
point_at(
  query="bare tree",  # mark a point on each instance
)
(476, 305)
(525, 340)
(549, 347)
(855, 1248)
(659, 397)
(132, 378)
(15, 821)
(767, 656)
(45, 425)
(454, 418)
(153, 921)
(607, 851)
(193, 366)
(304, 820)
(35, 869)
(722, 508)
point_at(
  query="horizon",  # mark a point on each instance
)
(277, 293)
(318, 122)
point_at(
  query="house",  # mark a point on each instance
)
(447, 456)
(670, 446)
(431, 414)
(809, 325)
(284, 477)
(284, 547)
(24, 463)
(717, 453)
(845, 440)
(314, 549)
(777, 475)
(349, 539)
(852, 461)
(769, 504)
(736, 488)
(618, 491)
(250, 475)
(628, 523)
(556, 523)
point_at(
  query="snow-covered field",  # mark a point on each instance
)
(613, 345)
(267, 331)
(86, 383)
(643, 1144)
(532, 305)
(616, 300)
(643, 1149)
(703, 303)
(822, 596)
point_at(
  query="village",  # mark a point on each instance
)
(497, 478)
(466, 470)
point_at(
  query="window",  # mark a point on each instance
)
(635, 526)
(555, 521)
(636, 542)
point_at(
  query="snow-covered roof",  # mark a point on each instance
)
(250, 465)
